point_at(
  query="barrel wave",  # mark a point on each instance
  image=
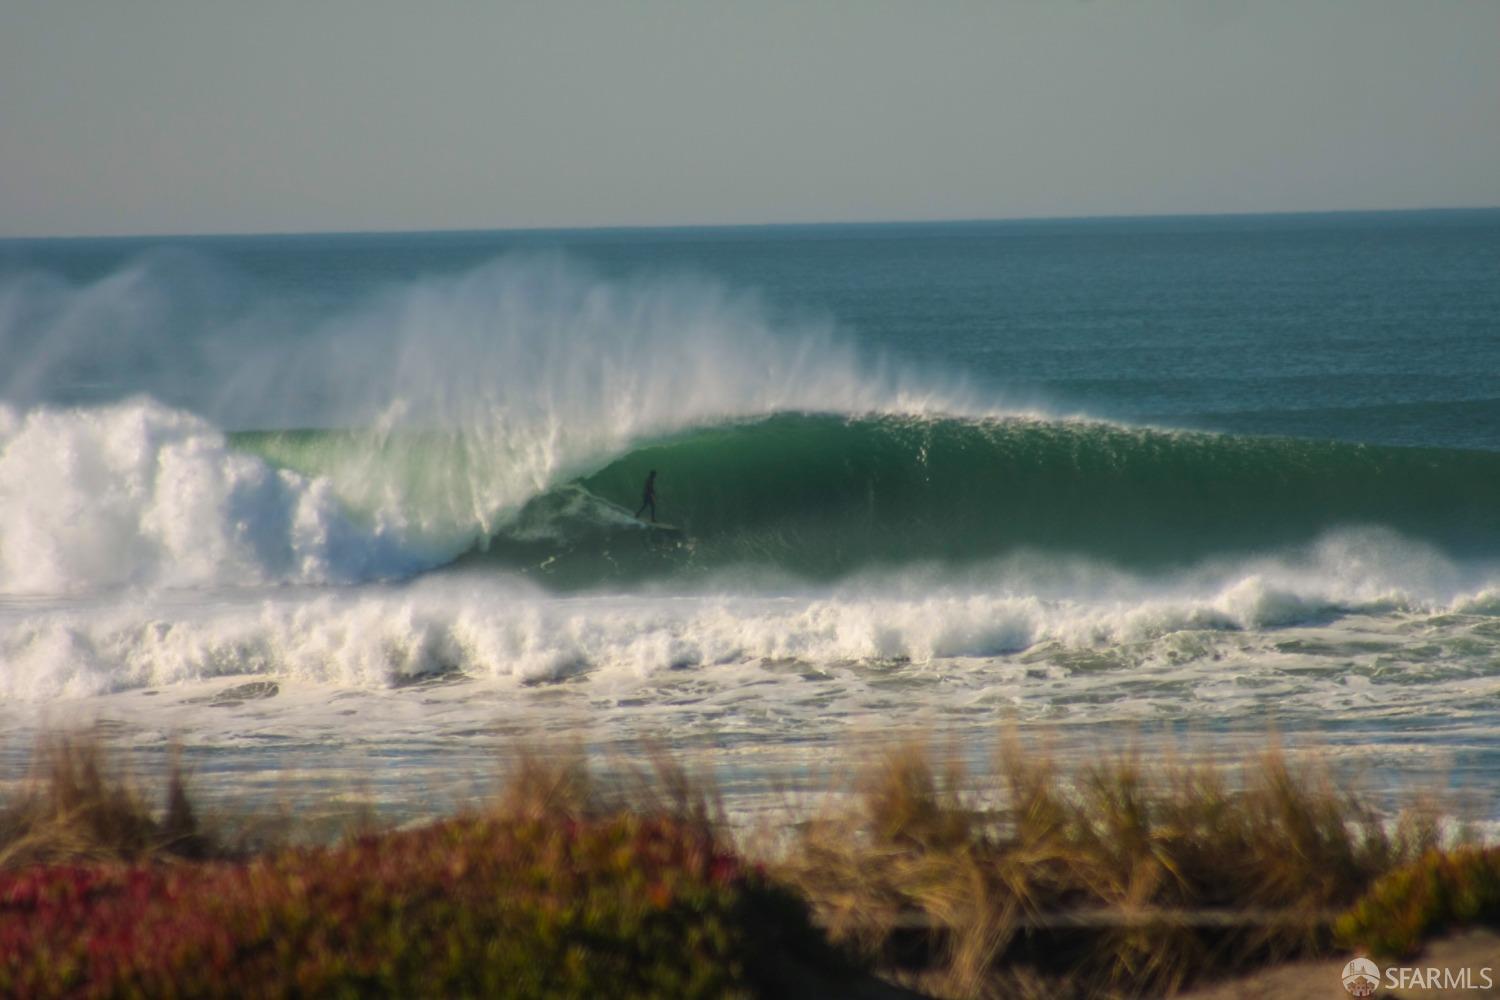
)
(819, 497)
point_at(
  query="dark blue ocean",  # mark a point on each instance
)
(1105, 477)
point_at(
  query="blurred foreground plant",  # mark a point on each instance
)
(539, 896)
(1120, 876)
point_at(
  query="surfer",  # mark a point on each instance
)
(648, 496)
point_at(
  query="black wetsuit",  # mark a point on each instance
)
(648, 497)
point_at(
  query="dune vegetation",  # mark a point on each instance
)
(1118, 877)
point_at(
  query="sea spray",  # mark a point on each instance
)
(468, 395)
(463, 395)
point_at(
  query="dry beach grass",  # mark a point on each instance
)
(1116, 877)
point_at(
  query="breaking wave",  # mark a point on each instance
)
(820, 496)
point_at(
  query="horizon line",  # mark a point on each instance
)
(706, 226)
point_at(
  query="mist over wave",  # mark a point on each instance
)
(488, 387)
(527, 341)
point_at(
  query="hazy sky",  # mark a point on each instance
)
(207, 116)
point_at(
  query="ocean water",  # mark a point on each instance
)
(360, 508)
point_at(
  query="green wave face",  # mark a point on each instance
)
(820, 496)
(439, 488)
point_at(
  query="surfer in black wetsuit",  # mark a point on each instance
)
(648, 496)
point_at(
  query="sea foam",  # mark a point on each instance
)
(135, 494)
(501, 628)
